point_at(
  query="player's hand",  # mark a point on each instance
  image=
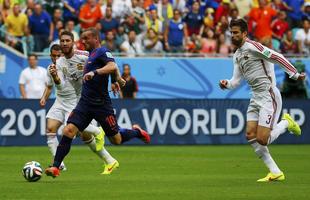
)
(42, 102)
(223, 84)
(115, 88)
(52, 70)
(88, 76)
(302, 76)
(121, 82)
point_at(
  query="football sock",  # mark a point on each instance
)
(62, 150)
(263, 153)
(128, 134)
(93, 130)
(279, 129)
(103, 154)
(52, 142)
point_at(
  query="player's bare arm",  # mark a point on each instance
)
(53, 71)
(46, 94)
(119, 78)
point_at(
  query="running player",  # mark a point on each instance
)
(66, 99)
(95, 102)
(255, 63)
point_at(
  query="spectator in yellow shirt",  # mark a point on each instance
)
(16, 24)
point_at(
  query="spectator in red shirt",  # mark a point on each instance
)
(279, 26)
(222, 10)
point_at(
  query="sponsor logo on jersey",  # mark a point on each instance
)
(267, 53)
(79, 66)
(109, 55)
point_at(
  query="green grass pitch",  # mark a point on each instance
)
(160, 172)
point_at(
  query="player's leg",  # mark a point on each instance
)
(55, 118)
(252, 133)
(110, 163)
(263, 153)
(268, 128)
(52, 141)
(69, 131)
(52, 127)
(79, 119)
(286, 123)
(98, 133)
(117, 135)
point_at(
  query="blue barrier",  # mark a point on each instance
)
(182, 121)
(194, 78)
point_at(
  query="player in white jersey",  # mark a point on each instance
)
(67, 95)
(255, 63)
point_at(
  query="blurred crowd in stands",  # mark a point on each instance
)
(150, 27)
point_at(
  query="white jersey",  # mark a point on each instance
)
(71, 71)
(66, 91)
(255, 63)
(34, 81)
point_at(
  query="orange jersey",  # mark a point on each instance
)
(262, 18)
(88, 13)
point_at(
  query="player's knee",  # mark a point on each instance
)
(262, 141)
(51, 130)
(69, 131)
(115, 140)
(86, 137)
(250, 135)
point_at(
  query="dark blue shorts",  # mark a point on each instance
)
(84, 113)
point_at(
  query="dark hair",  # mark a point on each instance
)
(126, 64)
(240, 23)
(32, 55)
(305, 19)
(55, 47)
(94, 32)
(67, 33)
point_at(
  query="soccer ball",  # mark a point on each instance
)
(32, 171)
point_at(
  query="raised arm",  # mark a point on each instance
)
(276, 58)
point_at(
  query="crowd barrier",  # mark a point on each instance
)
(174, 121)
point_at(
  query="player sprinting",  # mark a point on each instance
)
(255, 63)
(66, 99)
(95, 102)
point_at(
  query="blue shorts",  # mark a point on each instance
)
(84, 113)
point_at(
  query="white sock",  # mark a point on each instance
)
(52, 142)
(103, 154)
(93, 130)
(263, 153)
(278, 130)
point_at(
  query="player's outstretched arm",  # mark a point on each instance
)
(277, 58)
(109, 68)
